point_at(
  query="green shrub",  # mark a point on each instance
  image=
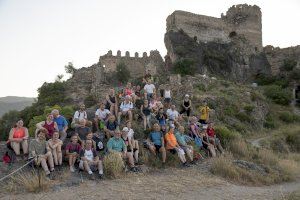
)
(295, 74)
(278, 95)
(249, 108)
(269, 122)
(230, 110)
(293, 140)
(184, 67)
(7, 121)
(90, 101)
(243, 117)
(288, 65)
(123, 74)
(225, 134)
(201, 87)
(289, 117)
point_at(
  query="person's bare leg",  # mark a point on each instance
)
(189, 153)
(145, 122)
(44, 165)
(54, 153)
(100, 167)
(74, 158)
(59, 155)
(136, 153)
(16, 147)
(86, 166)
(148, 121)
(49, 158)
(130, 116)
(25, 146)
(112, 110)
(181, 157)
(130, 159)
(152, 149)
(119, 117)
(162, 150)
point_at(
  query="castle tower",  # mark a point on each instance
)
(245, 20)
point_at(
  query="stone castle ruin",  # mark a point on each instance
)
(229, 47)
(239, 20)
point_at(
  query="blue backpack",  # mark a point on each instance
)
(198, 142)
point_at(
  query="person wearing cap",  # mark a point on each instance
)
(186, 105)
(173, 146)
(126, 108)
(116, 144)
(204, 113)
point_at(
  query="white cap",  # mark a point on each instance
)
(187, 95)
(125, 129)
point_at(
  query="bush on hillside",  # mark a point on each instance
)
(226, 135)
(122, 74)
(184, 67)
(293, 140)
(249, 109)
(288, 117)
(278, 95)
(90, 101)
(7, 121)
(269, 122)
(288, 65)
(243, 117)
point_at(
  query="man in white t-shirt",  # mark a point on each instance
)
(149, 89)
(90, 161)
(79, 115)
(101, 116)
(126, 109)
(172, 113)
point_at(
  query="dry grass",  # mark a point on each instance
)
(239, 148)
(113, 165)
(267, 157)
(27, 181)
(292, 196)
(290, 169)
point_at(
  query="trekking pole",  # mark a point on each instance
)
(39, 174)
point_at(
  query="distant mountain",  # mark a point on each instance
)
(14, 103)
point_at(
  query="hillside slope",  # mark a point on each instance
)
(14, 103)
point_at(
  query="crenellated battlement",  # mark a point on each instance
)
(127, 54)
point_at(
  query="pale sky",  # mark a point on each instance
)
(39, 37)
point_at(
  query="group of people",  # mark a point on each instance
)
(111, 130)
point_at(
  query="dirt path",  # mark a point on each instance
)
(192, 183)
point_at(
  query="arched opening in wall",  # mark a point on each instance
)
(232, 34)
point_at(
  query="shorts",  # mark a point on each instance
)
(92, 167)
(157, 147)
(202, 121)
(167, 100)
(149, 95)
(173, 151)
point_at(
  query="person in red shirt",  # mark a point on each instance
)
(212, 137)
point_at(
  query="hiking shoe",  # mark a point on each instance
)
(185, 164)
(193, 162)
(72, 169)
(50, 176)
(133, 169)
(101, 176)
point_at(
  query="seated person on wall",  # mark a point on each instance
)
(18, 137)
(128, 91)
(82, 130)
(149, 90)
(155, 104)
(139, 95)
(135, 143)
(186, 105)
(173, 114)
(146, 114)
(116, 144)
(62, 124)
(73, 149)
(173, 146)
(79, 115)
(167, 97)
(111, 126)
(112, 102)
(126, 108)
(49, 125)
(194, 130)
(212, 137)
(210, 148)
(40, 151)
(101, 116)
(161, 117)
(90, 160)
(204, 113)
(89, 137)
(156, 142)
(188, 149)
(55, 147)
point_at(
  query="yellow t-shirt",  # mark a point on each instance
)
(204, 112)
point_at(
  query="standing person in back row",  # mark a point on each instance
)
(149, 89)
(62, 124)
(204, 113)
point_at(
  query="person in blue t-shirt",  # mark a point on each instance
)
(156, 142)
(62, 124)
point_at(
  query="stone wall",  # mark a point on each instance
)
(136, 65)
(276, 56)
(239, 20)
